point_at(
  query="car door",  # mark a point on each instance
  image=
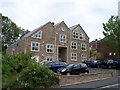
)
(76, 69)
(54, 67)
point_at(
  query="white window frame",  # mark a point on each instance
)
(61, 38)
(38, 35)
(83, 57)
(82, 36)
(50, 48)
(35, 46)
(49, 57)
(73, 45)
(73, 56)
(83, 46)
(75, 35)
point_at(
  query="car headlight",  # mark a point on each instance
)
(63, 70)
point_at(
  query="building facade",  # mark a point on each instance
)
(101, 50)
(54, 42)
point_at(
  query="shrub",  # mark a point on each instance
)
(20, 71)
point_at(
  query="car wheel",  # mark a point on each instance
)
(86, 72)
(68, 73)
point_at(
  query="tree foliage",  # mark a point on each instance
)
(20, 71)
(10, 32)
(112, 34)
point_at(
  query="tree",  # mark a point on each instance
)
(112, 33)
(10, 32)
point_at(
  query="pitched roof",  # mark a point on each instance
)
(58, 23)
(28, 34)
(72, 28)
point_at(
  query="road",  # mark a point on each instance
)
(99, 84)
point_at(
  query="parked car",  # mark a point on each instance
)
(104, 64)
(73, 69)
(116, 64)
(88, 63)
(55, 65)
(97, 63)
(93, 64)
(46, 62)
(110, 63)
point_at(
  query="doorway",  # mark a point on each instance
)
(62, 53)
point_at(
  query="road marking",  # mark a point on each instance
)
(108, 86)
(111, 85)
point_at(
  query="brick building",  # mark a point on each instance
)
(53, 42)
(102, 51)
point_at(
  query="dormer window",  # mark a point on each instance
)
(82, 36)
(62, 29)
(75, 35)
(38, 35)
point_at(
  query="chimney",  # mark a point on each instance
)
(53, 23)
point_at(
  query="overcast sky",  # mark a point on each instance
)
(90, 14)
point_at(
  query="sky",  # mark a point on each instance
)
(90, 14)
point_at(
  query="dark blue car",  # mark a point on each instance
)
(116, 64)
(55, 65)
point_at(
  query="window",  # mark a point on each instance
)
(49, 58)
(62, 38)
(74, 45)
(62, 29)
(38, 35)
(49, 48)
(75, 35)
(35, 46)
(82, 36)
(83, 57)
(74, 56)
(83, 47)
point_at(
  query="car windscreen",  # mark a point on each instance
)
(70, 65)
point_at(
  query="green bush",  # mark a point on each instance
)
(20, 71)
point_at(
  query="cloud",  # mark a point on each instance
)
(31, 14)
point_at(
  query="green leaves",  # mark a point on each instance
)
(10, 32)
(112, 34)
(20, 71)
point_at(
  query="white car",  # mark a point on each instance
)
(45, 62)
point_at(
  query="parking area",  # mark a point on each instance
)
(96, 70)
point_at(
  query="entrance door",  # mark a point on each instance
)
(62, 53)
